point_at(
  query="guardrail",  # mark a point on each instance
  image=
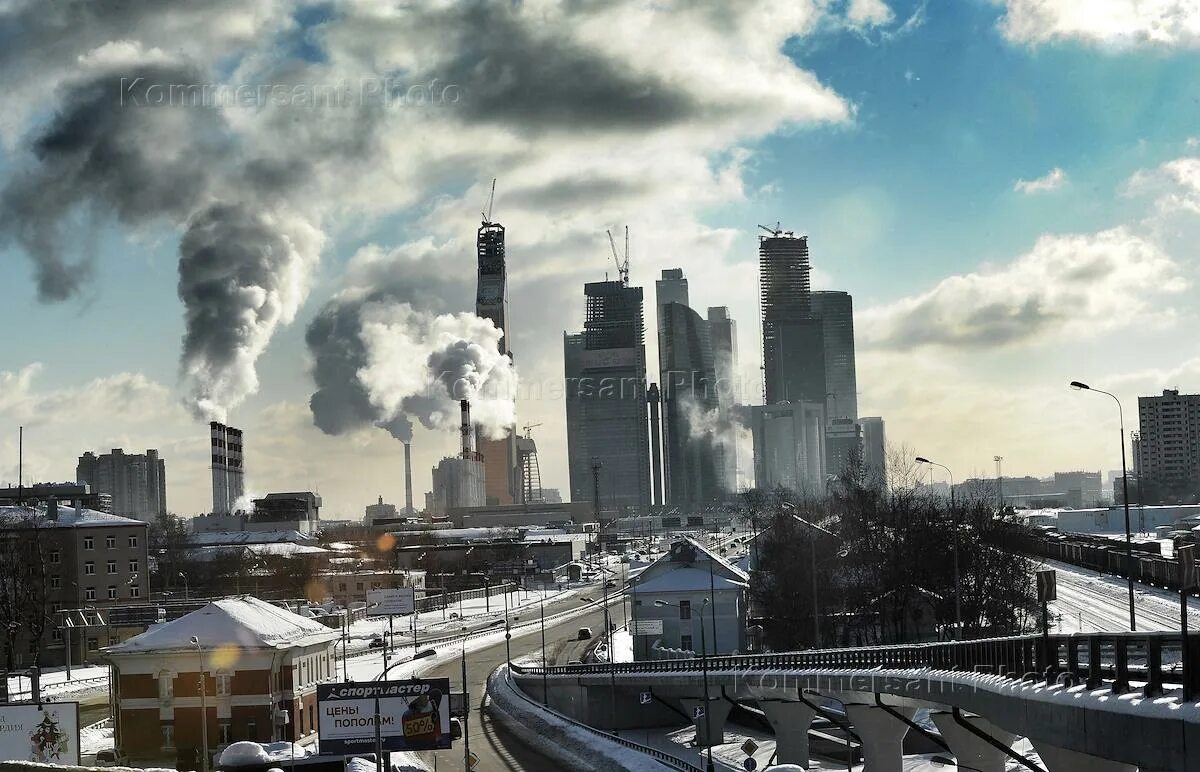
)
(1095, 659)
(63, 686)
(101, 724)
(656, 754)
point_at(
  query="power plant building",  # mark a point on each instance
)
(228, 472)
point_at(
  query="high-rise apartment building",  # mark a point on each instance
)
(843, 442)
(605, 372)
(500, 457)
(793, 340)
(1168, 445)
(836, 312)
(689, 398)
(874, 442)
(228, 473)
(136, 483)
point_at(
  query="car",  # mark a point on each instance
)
(584, 633)
(110, 757)
(608, 585)
(419, 655)
(496, 623)
(376, 643)
(572, 662)
(584, 598)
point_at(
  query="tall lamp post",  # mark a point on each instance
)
(953, 524)
(704, 670)
(203, 708)
(813, 528)
(1125, 485)
(187, 592)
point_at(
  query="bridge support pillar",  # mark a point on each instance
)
(971, 751)
(790, 720)
(1058, 759)
(882, 736)
(718, 710)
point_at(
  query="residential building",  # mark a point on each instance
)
(1167, 446)
(89, 559)
(696, 587)
(136, 482)
(605, 373)
(789, 446)
(259, 663)
(836, 312)
(228, 472)
(874, 441)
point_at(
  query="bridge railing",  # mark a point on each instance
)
(1151, 659)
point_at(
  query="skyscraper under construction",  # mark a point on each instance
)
(793, 339)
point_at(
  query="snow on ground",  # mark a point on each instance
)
(54, 681)
(1092, 602)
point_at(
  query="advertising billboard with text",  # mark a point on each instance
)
(413, 715)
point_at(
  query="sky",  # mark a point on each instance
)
(264, 211)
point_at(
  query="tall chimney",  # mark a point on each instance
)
(408, 507)
(465, 407)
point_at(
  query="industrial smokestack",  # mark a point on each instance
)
(408, 507)
(465, 407)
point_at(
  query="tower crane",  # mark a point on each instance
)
(487, 216)
(528, 429)
(622, 266)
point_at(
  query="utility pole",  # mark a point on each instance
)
(20, 466)
(999, 484)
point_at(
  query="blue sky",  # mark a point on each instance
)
(900, 160)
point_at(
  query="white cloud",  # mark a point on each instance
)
(1168, 23)
(1051, 180)
(1067, 286)
(868, 13)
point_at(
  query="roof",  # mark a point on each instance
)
(243, 622)
(660, 575)
(213, 538)
(67, 517)
(687, 579)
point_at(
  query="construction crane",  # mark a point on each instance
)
(487, 216)
(776, 231)
(531, 473)
(529, 428)
(622, 266)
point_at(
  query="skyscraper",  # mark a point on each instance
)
(605, 372)
(874, 442)
(723, 332)
(136, 482)
(690, 406)
(1167, 447)
(836, 312)
(789, 446)
(793, 340)
(228, 474)
(500, 461)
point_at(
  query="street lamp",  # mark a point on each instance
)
(203, 708)
(187, 593)
(1079, 386)
(704, 670)
(954, 524)
(813, 527)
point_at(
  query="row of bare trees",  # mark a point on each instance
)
(24, 608)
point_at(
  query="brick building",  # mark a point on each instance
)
(259, 660)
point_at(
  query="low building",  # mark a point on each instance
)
(687, 576)
(379, 511)
(260, 664)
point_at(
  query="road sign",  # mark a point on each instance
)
(391, 601)
(413, 715)
(1047, 586)
(698, 711)
(472, 759)
(645, 698)
(1187, 567)
(750, 765)
(749, 747)
(648, 627)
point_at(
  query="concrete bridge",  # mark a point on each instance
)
(1104, 702)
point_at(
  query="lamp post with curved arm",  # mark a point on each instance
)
(203, 708)
(954, 524)
(704, 670)
(1080, 386)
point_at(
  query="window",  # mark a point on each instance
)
(359, 586)
(301, 714)
(341, 586)
(110, 542)
(112, 566)
(168, 736)
(55, 557)
(685, 642)
(166, 685)
(132, 541)
(56, 606)
(112, 592)
(89, 593)
(133, 566)
(89, 543)
(56, 634)
(55, 582)
(223, 733)
(222, 684)
(135, 591)
(311, 718)
(251, 730)
(685, 609)
(93, 644)
(89, 568)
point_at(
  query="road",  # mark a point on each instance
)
(496, 747)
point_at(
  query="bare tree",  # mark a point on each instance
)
(24, 543)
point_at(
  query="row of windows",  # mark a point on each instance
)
(224, 734)
(89, 568)
(89, 593)
(166, 684)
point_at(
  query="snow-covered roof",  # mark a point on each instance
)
(686, 579)
(67, 517)
(214, 538)
(244, 622)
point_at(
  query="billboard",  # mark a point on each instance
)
(46, 733)
(392, 601)
(414, 715)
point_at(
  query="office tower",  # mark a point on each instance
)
(789, 446)
(605, 372)
(843, 443)
(793, 340)
(655, 400)
(1168, 445)
(500, 458)
(874, 451)
(722, 331)
(671, 288)
(689, 409)
(136, 483)
(228, 473)
(836, 312)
